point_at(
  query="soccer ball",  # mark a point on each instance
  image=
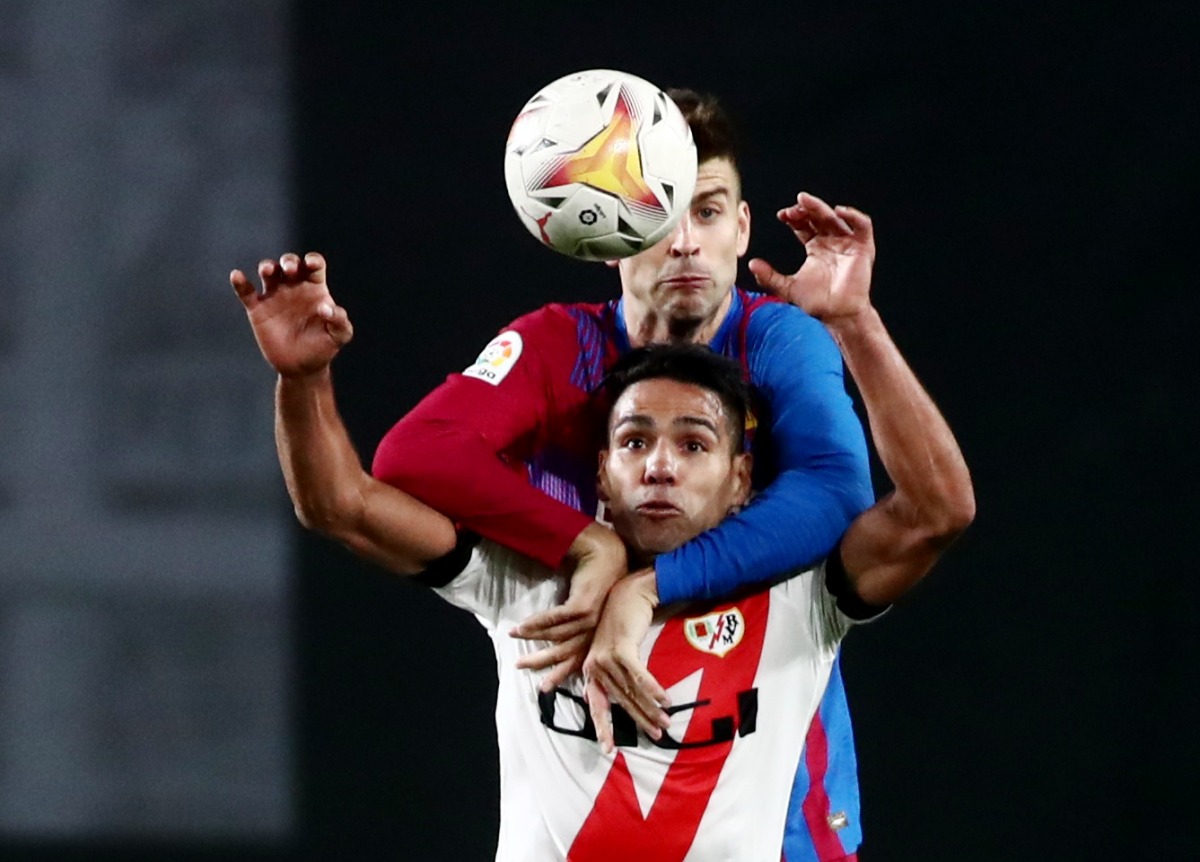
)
(600, 165)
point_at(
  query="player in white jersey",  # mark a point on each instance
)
(745, 676)
(705, 788)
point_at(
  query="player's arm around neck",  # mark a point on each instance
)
(334, 495)
(891, 546)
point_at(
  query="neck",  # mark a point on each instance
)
(647, 325)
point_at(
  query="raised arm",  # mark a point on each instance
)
(887, 548)
(299, 330)
(822, 477)
(893, 544)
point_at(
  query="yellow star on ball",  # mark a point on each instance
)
(610, 161)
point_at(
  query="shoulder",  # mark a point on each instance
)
(774, 328)
(548, 318)
(813, 607)
(560, 315)
(497, 584)
(567, 324)
(768, 317)
(548, 338)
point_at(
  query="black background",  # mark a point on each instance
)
(1032, 173)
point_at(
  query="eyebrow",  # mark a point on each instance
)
(718, 191)
(641, 420)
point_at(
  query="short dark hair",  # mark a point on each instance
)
(713, 129)
(690, 363)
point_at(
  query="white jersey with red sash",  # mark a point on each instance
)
(745, 677)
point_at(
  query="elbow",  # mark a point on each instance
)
(939, 515)
(330, 518)
(964, 511)
(955, 513)
(960, 503)
(315, 519)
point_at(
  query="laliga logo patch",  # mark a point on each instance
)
(497, 359)
(715, 633)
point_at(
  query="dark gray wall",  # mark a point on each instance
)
(144, 626)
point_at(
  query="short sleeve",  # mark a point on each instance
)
(501, 588)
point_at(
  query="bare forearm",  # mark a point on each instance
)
(893, 544)
(915, 444)
(319, 463)
(331, 492)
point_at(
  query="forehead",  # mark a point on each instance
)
(662, 401)
(714, 174)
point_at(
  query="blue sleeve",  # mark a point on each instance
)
(824, 479)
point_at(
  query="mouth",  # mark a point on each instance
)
(658, 510)
(688, 280)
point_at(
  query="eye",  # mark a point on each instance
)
(634, 443)
(707, 213)
(695, 446)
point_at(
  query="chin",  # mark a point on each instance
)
(691, 312)
(689, 305)
(649, 543)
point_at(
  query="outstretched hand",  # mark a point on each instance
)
(835, 278)
(297, 325)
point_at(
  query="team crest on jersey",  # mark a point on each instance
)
(497, 359)
(751, 426)
(716, 633)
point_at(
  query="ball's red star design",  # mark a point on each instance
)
(610, 161)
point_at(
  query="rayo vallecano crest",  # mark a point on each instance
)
(716, 633)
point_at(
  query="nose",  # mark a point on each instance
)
(660, 466)
(683, 238)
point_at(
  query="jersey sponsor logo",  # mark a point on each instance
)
(563, 711)
(497, 359)
(716, 633)
(650, 813)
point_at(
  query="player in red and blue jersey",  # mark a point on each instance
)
(507, 448)
(703, 789)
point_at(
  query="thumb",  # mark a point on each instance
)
(769, 279)
(337, 323)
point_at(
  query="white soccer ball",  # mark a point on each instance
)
(600, 165)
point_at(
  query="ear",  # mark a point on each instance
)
(743, 238)
(743, 464)
(602, 489)
(613, 264)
